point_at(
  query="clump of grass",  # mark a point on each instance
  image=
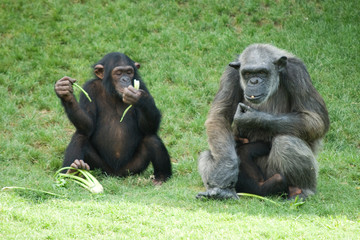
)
(79, 87)
(89, 182)
(136, 86)
(298, 202)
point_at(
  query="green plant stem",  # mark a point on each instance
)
(257, 196)
(86, 94)
(30, 189)
(126, 110)
(136, 86)
(90, 182)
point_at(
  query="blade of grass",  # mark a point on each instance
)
(298, 202)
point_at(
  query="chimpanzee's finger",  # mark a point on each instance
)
(245, 107)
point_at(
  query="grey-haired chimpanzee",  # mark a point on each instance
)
(266, 97)
(101, 140)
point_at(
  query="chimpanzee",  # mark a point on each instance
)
(251, 179)
(101, 140)
(265, 95)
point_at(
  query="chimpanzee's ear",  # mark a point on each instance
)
(235, 65)
(137, 65)
(99, 71)
(281, 63)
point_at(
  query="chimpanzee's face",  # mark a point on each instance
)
(122, 77)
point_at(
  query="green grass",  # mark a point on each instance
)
(183, 47)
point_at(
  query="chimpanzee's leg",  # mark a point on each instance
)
(151, 150)
(80, 148)
(250, 176)
(75, 149)
(293, 158)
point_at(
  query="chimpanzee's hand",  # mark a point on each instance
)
(246, 116)
(245, 108)
(78, 164)
(131, 95)
(63, 88)
(218, 193)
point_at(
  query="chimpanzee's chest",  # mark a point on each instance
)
(112, 136)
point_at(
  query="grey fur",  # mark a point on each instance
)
(292, 116)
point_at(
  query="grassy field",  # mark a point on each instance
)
(183, 47)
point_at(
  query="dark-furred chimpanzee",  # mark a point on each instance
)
(101, 140)
(267, 96)
(251, 179)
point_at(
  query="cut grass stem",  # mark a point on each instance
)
(86, 94)
(257, 196)
(89, 182)
(30, 189)
(126, 110)
(136, 86)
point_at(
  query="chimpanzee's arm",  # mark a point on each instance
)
(218, 123)
(148, 114)
(78, 114)
(219, 167)
(305, 125)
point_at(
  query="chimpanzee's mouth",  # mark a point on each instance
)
(254, 98)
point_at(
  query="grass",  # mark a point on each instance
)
(183, 47)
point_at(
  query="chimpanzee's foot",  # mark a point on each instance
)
(218, 193)
(159, 179)
(157, 182)
(295, 192)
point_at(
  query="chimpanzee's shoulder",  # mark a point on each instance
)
(93, 85)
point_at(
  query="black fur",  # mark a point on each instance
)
(102, 141)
